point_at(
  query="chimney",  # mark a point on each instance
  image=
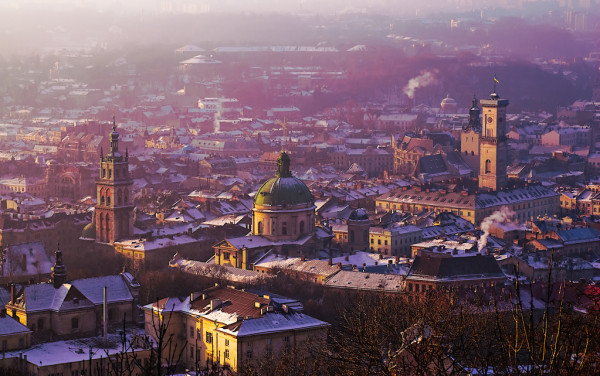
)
(13, 298)
(215, 303)
(105, 313)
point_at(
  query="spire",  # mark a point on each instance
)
(474, 115)
(114, 138)
(283, 166)
(59, 271)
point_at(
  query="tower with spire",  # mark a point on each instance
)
(469, 138)
(114, 209)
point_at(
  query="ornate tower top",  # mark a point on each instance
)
(59, 271)
(114, 138)
(283, 166)
(474, 116)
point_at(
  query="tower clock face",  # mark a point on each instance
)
(489, 119)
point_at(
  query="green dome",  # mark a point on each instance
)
(283, 189)
(89, 231)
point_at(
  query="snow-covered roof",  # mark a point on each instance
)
(273, 322)
(93, 289)
(10, 326)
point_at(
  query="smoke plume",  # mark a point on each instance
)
(423, 80)
(502, 216)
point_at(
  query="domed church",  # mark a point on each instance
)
(284, 208)
(283, 221)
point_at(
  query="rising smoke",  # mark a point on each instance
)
(423, 80)
(502, 216)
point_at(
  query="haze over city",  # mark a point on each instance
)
(303, 187)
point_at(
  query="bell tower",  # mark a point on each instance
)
(114, 209)
(493, 152)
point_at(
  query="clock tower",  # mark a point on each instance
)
(493, 150)
(114, 210)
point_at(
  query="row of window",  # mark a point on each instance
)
(107, 173)
(284, 228)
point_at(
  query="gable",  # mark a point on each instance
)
(224, 244)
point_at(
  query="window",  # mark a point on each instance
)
(227, 354)
(284, 228)
(208, 337)
(249, 354)
(191, 332)
(75, 323)
(40, 324)
(226, 342)
(488, 166)
(286, 339)
(352, 236)
(301, 227)
(225, 256)
(268, 341)
(259, 228)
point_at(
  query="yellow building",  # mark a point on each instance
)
(394, 240)
(227, 328)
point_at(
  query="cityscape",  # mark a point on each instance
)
(299, 187)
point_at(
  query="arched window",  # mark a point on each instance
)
(301, 227)
(488, 166)
(109, 173)
(108, 197)
(259, 229)
(284, 228)
(101, 198)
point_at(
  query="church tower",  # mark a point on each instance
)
(114, 210)
(493, 151)
(469, 138)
